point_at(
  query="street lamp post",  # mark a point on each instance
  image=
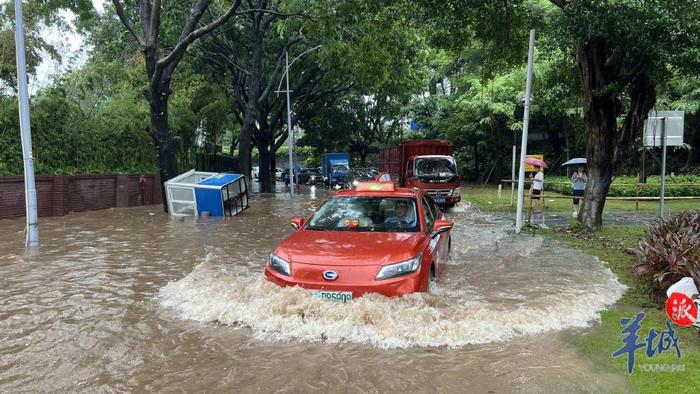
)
(523, 144)
(26, 133)
(290, 129)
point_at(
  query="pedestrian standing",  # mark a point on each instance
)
(537, 186)
(578, 184)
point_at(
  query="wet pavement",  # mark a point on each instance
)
(131, 300)
(564, 219)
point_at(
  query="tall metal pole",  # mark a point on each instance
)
(512, 179)
(663, 165)
(290, 131)
(523, 144)
(26, 132)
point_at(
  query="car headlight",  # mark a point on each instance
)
(399, 269)
(457, 192)
(355, 182)
(280, 265)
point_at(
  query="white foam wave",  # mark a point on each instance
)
(211, 293)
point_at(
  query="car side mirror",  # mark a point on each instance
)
(440, 227)
(297, 223)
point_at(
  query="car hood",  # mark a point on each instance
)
(335, 248)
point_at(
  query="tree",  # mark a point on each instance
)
(383, 55)
(624, 51)
(251, 61)
(160, 65)
(370, 52)
(38, 15)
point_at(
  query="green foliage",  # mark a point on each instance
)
(84, 123)
(38, 16)
(603, 339)
(668, 252)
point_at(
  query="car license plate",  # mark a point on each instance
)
(440, 200)
(340, 296)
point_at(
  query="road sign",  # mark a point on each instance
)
(663, 128)
(674, 128)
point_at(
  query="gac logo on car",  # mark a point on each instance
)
(330, 275)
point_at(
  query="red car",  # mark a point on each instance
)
(373, 239)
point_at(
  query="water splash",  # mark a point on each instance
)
(449, 317)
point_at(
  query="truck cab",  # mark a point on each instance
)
(334, 168)
(424, 164)
(437, 175)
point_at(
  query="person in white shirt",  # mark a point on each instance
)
(537, 185)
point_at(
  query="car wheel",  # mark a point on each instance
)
(432, 280)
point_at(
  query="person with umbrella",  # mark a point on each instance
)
(537, 186)
(578, 180)
(538, 181)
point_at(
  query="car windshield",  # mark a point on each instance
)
(339, 168)
(436, 167)
(395, 214)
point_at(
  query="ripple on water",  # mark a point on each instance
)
(457, 314)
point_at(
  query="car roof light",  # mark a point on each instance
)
(375, 187)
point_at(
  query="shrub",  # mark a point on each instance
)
(624, 186)
(669, 251)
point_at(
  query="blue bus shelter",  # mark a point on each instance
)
(207, 194)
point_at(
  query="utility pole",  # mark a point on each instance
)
(663, 166)
(26, 131)
(523, 144)
(512, 179)
(290, 129)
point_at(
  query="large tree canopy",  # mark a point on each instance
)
(202, 77)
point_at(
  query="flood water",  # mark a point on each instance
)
(131, 300)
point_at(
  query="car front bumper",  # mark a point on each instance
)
(358, 280)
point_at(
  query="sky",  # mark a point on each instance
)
(68, 44)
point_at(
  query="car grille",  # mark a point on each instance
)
(440, 192)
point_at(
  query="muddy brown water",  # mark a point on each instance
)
(131, 300)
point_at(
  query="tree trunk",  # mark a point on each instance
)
(273, 167)
(245, 143)
(609, 146)
(600, 111)
(164, 142)
(254, 92)
(266, 172)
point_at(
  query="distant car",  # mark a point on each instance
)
(373, 239)
(357, 175)
(315, 177)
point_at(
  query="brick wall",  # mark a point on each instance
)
(59, 194)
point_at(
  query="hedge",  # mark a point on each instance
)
(624, 186)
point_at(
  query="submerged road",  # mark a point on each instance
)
(131, 300)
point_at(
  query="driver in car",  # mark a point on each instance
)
(402, 214)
